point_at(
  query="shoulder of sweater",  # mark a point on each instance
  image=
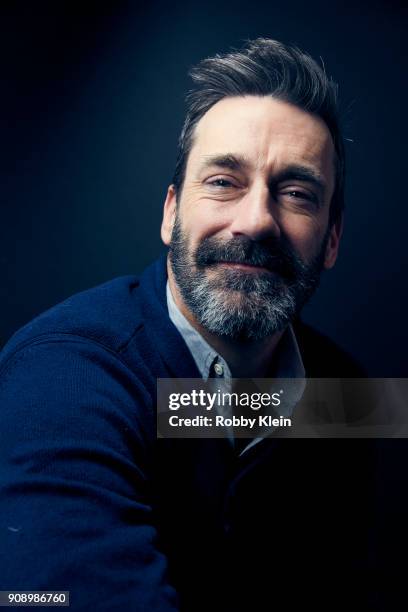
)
(108, 314)
(324, 358)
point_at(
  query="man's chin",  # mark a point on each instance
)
(239, 326)
(242, 304)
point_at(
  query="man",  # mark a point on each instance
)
(92, 502)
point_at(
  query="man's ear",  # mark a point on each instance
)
(169, 215)
(332, 247)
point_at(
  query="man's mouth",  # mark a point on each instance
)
(245, 267)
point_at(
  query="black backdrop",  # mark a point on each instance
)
(92, 106)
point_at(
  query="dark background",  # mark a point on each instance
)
(92, 106)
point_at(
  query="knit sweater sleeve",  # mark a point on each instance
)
(75, 505)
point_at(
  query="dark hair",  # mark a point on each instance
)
(264, 67)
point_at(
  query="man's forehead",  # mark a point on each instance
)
(254, 110)
(259, 127)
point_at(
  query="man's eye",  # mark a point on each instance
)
(220, 182)
(300, 195)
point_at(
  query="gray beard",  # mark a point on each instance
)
(243, 305)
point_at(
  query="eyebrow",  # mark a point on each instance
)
(228, 161)
(296, 172)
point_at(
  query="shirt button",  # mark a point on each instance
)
(219, 370)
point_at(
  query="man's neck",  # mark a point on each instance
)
(245, 358)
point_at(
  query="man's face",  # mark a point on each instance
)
(249, 235)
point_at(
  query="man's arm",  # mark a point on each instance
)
(74, 504)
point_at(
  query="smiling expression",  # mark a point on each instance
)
(260, 171)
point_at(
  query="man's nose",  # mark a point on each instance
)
(256, 215)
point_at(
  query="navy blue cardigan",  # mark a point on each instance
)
(76, 394)
(92, 503)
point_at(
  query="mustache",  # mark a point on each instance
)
(276, 255)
